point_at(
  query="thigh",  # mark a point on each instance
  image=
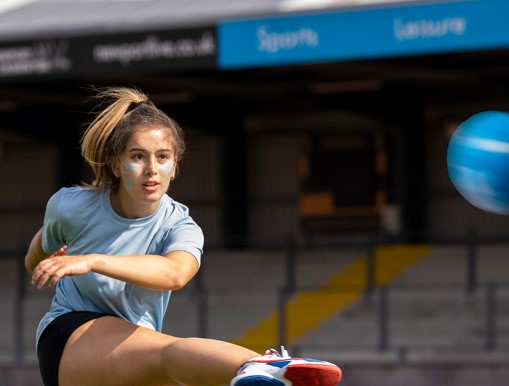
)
(53, 340)
(110, 351)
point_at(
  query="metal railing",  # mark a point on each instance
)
(482, 311)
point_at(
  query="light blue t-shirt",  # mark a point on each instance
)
(83, 220)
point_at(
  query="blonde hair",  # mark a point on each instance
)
(105, 139)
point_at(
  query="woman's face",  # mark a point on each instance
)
(145, 169)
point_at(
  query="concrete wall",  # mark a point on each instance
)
(20, 375)
(353, 375)
(426, 375)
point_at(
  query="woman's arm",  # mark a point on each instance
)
(169, 272)
(35, 253)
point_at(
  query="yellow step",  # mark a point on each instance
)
(308, 309)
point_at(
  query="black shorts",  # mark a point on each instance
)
(53, 339)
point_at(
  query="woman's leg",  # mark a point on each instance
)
(112, 352)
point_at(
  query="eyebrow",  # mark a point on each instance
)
(137, 149)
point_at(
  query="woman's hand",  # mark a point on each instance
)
(50, 271)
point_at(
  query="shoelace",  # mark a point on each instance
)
(268, 353)
(274, 352)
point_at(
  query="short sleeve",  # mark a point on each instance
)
(53, 237)
(187, 236)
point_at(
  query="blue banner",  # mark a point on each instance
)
(366, 33)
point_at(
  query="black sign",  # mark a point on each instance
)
(56, 57)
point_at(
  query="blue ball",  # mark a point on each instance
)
(478, 161)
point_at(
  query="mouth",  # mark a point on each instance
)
(151, 185)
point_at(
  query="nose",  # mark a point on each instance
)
(151, 167)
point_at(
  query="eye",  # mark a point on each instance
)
(165, 156)
(138, 156)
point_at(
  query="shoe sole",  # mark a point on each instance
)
(301, 374)
(313, 375)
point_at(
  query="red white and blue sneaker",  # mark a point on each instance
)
(274, 369)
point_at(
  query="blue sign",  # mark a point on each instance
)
(366, 33)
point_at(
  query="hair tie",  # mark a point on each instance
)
(133, 105)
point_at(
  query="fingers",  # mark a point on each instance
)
(46, 273)
(52, 282)
(41, 281)
(50, 271)
(61, 252)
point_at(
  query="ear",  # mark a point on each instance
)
(114, 166)
(174, 171)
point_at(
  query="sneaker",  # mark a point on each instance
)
(275, 369)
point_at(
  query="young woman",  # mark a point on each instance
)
(115, 250)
